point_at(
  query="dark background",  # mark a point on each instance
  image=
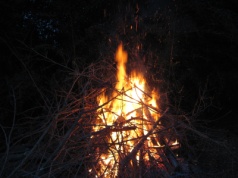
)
(199, 37)
(190, 45)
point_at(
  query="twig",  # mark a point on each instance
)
(64, 140)
(45, 57)
(8, 141)
(27, 70)
(31, 151)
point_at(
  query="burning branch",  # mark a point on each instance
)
(133, 153)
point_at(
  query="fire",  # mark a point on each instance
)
(127, 118)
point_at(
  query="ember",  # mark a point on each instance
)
(127, 127)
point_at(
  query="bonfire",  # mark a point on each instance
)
(109, 124)
(128, 135)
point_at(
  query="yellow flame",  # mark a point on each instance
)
(176, 142)
(121, 59)
(130, 113)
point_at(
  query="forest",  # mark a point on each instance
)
(61, 78)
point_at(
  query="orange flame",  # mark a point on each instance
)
(121, 59)
(130, 114)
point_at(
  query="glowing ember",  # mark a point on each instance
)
(127, 118)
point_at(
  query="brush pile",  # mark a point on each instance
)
(65, 142)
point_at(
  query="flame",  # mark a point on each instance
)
(127, 115)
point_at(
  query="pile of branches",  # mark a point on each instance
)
(162, 157)
(62, 143)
